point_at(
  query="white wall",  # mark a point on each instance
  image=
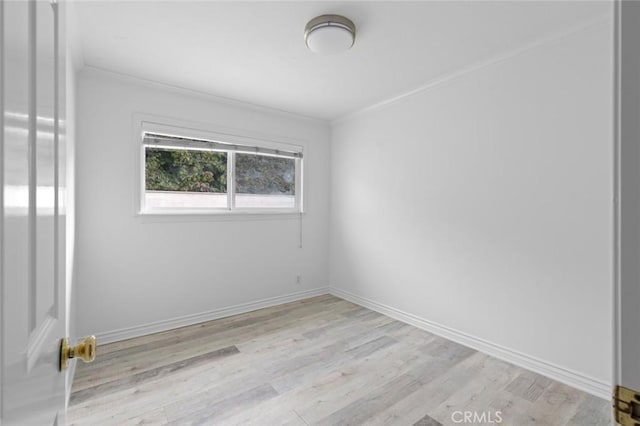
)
(136, 270)
(484, 205)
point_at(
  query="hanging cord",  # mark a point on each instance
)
(300, 231)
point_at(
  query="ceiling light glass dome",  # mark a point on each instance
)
(330, 34)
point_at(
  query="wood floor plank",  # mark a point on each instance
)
(275, 416)
(375, 401)
(246, 322)
(442, 355)
(513, 409)
(253, 319)
(350, 384)
(318, 361)
(427, 420)
(333, 385)
(558, 404)
(256, 315)
(490, 375)
(386, 358)
(212, 412)
(591, 412)
(361, 351)
(156, 373)
(434, 393)
(236, 367)
(155, 417)
(412, 335)
(183, 385)
(393, 325)
(529, 385)
(185, 347)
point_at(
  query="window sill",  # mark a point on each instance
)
(154, 216)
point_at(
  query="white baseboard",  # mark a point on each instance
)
(169, 324)
(572, 378)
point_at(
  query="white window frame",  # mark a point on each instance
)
(144, 125)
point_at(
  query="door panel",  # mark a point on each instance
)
(32, 247)
(45, 303)
(628, 361)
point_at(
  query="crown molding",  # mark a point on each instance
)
(92, 69)
(477, 66)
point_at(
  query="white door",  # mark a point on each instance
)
(627, 360)
(33, 218)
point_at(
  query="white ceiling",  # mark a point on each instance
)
(255, 52)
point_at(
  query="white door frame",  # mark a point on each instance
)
(626, 253)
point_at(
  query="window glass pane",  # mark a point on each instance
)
(264, 181)
(179, 178)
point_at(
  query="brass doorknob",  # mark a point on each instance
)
(85, 350)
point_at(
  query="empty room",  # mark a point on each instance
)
(320, 212)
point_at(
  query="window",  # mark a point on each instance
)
(264, 181)
(210, 174)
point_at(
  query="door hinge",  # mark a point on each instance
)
(626, 406)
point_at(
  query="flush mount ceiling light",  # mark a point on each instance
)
(328, 34)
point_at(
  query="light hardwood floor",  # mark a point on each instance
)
(321, 361)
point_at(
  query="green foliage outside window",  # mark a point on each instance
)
(185, 170)
(206, 171)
